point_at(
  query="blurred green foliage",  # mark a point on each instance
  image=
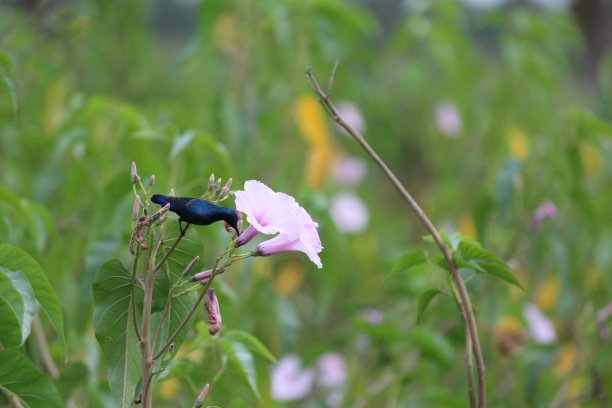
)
(90, 86)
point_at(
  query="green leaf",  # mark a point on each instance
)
(409, 260)
(251, 342)
(432, 344)
(71, 378)
(17, 307)
(474, 256)
(240, 360)
(20, 377)
(423, 301)
(112, 322)
(14, 259)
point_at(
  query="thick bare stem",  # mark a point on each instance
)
(464, 300)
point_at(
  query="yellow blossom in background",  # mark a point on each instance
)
(591, 159)
(310, 119)
(169, 388)
(466, 226)
(547, 295)
(289, 279)
(508, 334)
(518, 144)
(565, 360)
(225, 34)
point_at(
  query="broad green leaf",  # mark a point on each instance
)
(15, 259)
(409, 260)
(476, 257)
(423, 301)
(17, 305)
(114, 328)
(20, 377)
(240, 360)
(251, 342)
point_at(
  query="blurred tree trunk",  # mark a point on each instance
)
(595, 20)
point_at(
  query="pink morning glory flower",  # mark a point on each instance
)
(269, 213)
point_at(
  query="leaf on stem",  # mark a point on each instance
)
(472, 255)
(423, 301)
(112, 322)
(409, 260)
(20, 377)
(17, 307)
(14, 259)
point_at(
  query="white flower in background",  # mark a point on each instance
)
(290, 382)
(349, 170)
(447, 119)
(332, 376)
(350, 112)
(541, 328)
(349, 213)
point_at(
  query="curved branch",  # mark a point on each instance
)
(464, 300)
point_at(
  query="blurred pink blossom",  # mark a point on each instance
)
(541, 328)
(349, 213)
(374, 316)
(269, 212)
(331, 370)
(289, 382)
(547, 209)
(447, 119)
(351, 114)
(349, 170)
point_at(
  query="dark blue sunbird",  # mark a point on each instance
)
(197, 211)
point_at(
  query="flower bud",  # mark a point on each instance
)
(211, 304)
(200, 400)
(151, 180)
(134, 173)
(171, 193)
(191, 265)
(211, 182)
(200, 276)
(136, 208)
(160, 213)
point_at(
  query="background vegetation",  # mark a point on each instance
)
(187, 89)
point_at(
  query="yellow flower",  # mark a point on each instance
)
(518, 144)
(547, 295)
(310, 119)
(289, 279)
(466, 226)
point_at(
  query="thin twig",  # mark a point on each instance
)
(176, 241)
(43, 348)
(465, 304)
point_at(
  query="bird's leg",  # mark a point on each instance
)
(181, 228)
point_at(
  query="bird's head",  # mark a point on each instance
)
(160, 199)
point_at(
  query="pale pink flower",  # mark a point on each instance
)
(332, 376)
(349, 213)
(351, 114)
(447, 119)
(289, 381)
(547, 209)
(269, 213)
(541, 328)
(348, 171)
